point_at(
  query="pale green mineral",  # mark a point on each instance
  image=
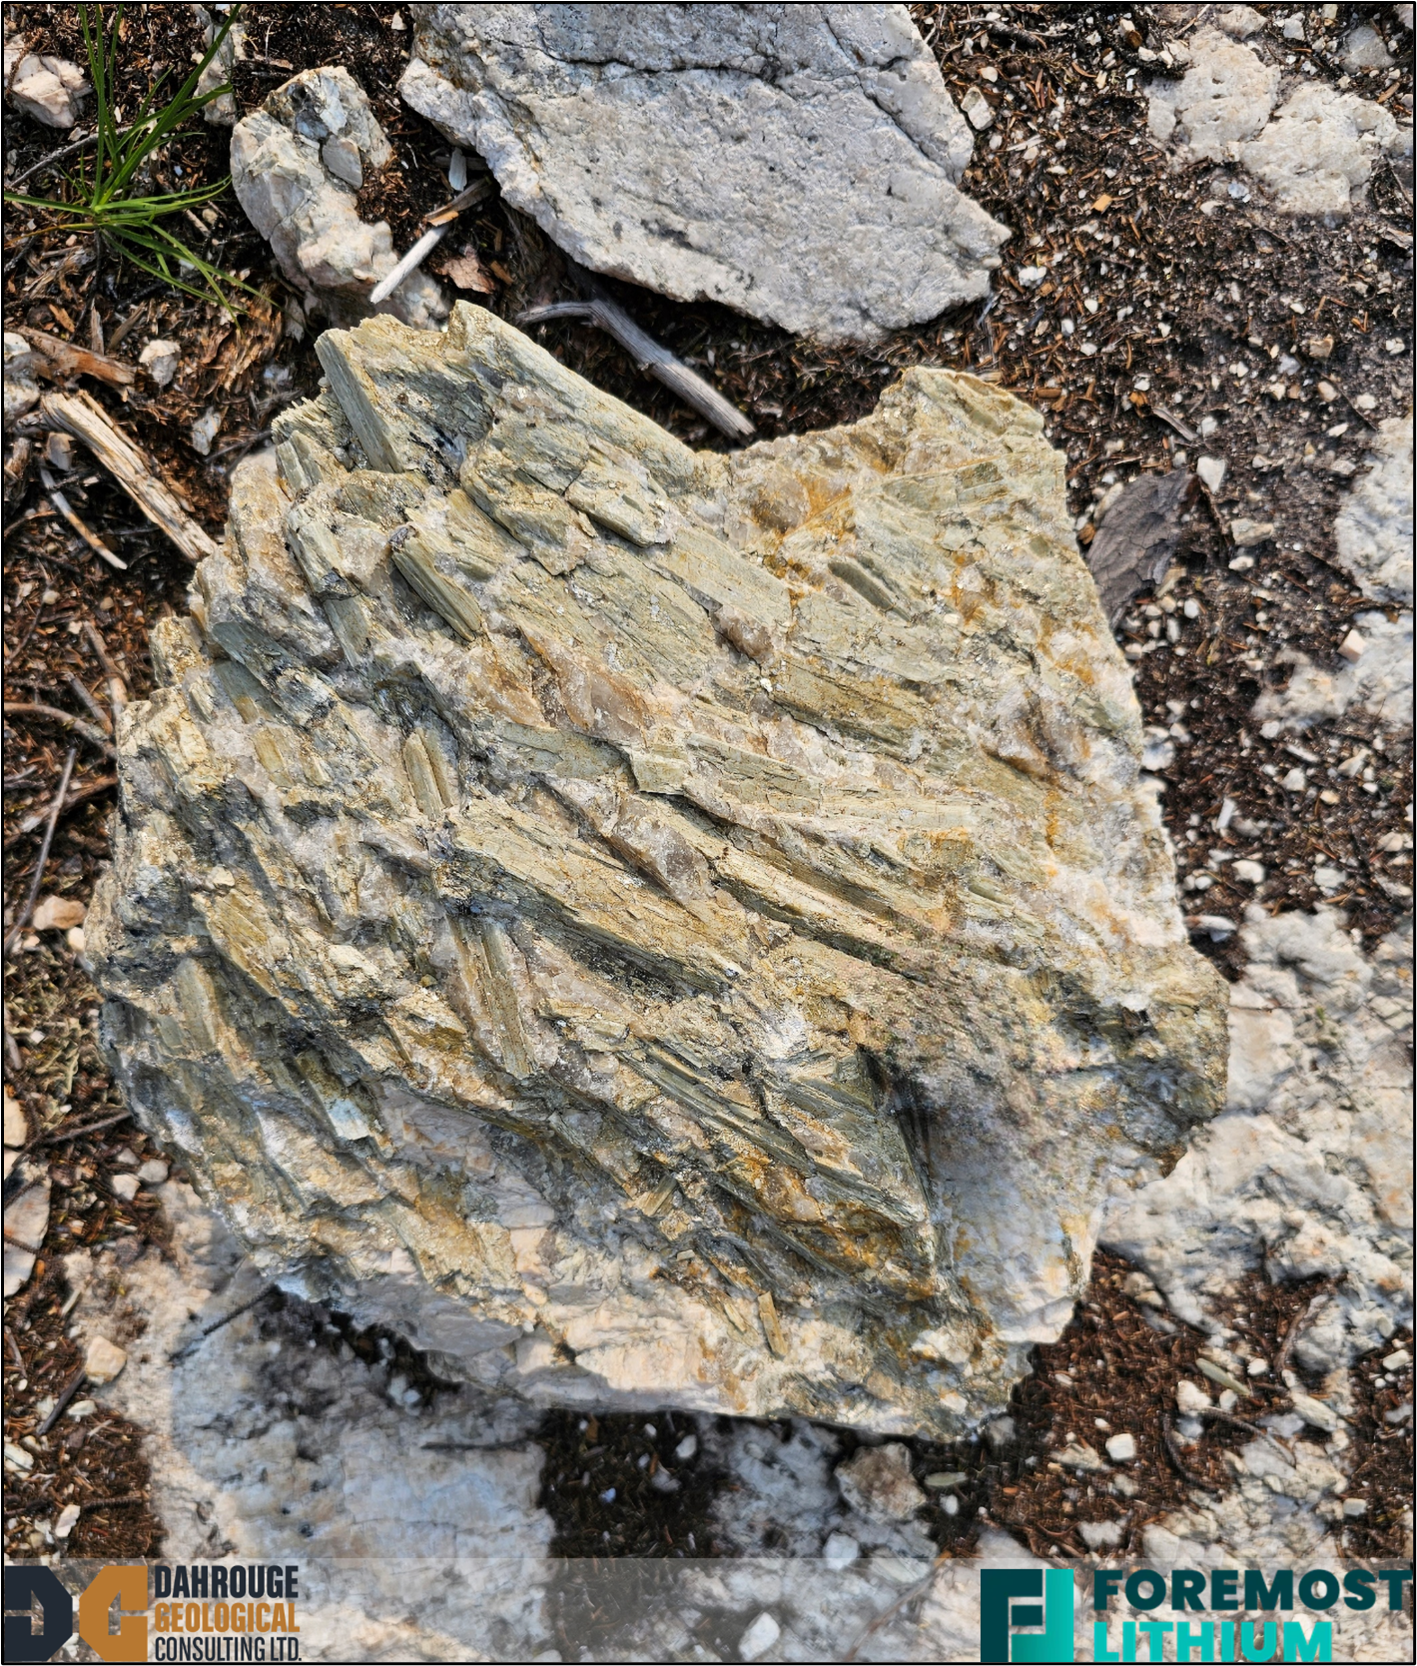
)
(657, 928)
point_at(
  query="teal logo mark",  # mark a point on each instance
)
(1008, 1625)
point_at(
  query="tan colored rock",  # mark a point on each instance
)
(103, 1360)
(876, 1481)
(659, 928)
(57, 914)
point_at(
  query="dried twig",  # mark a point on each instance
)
(83, 417)
(59, 1136)
(410, 263)
(1187, 433)
(650, 356)
(216, 1325)
(96, 711)
(438, 223)
(887, 1614)
(465, 199)
(66, 509)
(66, 720)
(60, 155)
(67, 1393)
(1173, 1451)
(22, 918)
(1291, 1336)
(117, 688)
(77, 796)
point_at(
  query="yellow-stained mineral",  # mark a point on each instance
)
(656, 927)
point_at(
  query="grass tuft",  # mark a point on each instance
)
(102, 198)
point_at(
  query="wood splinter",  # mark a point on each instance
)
(439, 222)
(86, 419)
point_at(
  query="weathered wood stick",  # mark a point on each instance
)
(85, 418)
(650, 356)
(410, 263)
(67, 510)
(77, 795)
(66, 720)
(117, 688)
(65, 359)
(42, 861)
(438, 223)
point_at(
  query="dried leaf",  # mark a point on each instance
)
(1135, 543)
(468, 272)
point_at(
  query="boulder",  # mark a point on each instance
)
(297, 165)
(798, 162)
(656, 927)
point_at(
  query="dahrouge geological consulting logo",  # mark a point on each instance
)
(1027, 1613)
(203, 1611)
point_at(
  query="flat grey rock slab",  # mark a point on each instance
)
(800, 163)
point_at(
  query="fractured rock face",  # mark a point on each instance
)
(800, 163)
(297, 165)
(656, 927)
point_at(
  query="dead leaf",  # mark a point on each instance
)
(468, 272)
(1134, 545)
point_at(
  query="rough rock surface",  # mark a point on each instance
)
(49, 89)
(797, 162)
(656, 927)
(1314, 157)
(1224, 98)
(1318, 152)
(1373, 532)
(1309, 1171)
(362, 1470)
(297, 165)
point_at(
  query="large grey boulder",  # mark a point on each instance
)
(656, 927)
(797, 162)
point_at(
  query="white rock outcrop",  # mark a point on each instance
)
(1318, 153)
(297, 165)
(1373, 532)
(658, 927)
(798, 162)
(1224, 98)
(1309, 1171)
(1314, 155)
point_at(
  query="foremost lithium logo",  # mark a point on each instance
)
(1014, 1624)
(1027, 1613)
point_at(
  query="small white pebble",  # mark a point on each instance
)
(686, 1448)
(759, 1637)
(1122, 1448)
(840, 1551)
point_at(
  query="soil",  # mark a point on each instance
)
(1173, 292)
